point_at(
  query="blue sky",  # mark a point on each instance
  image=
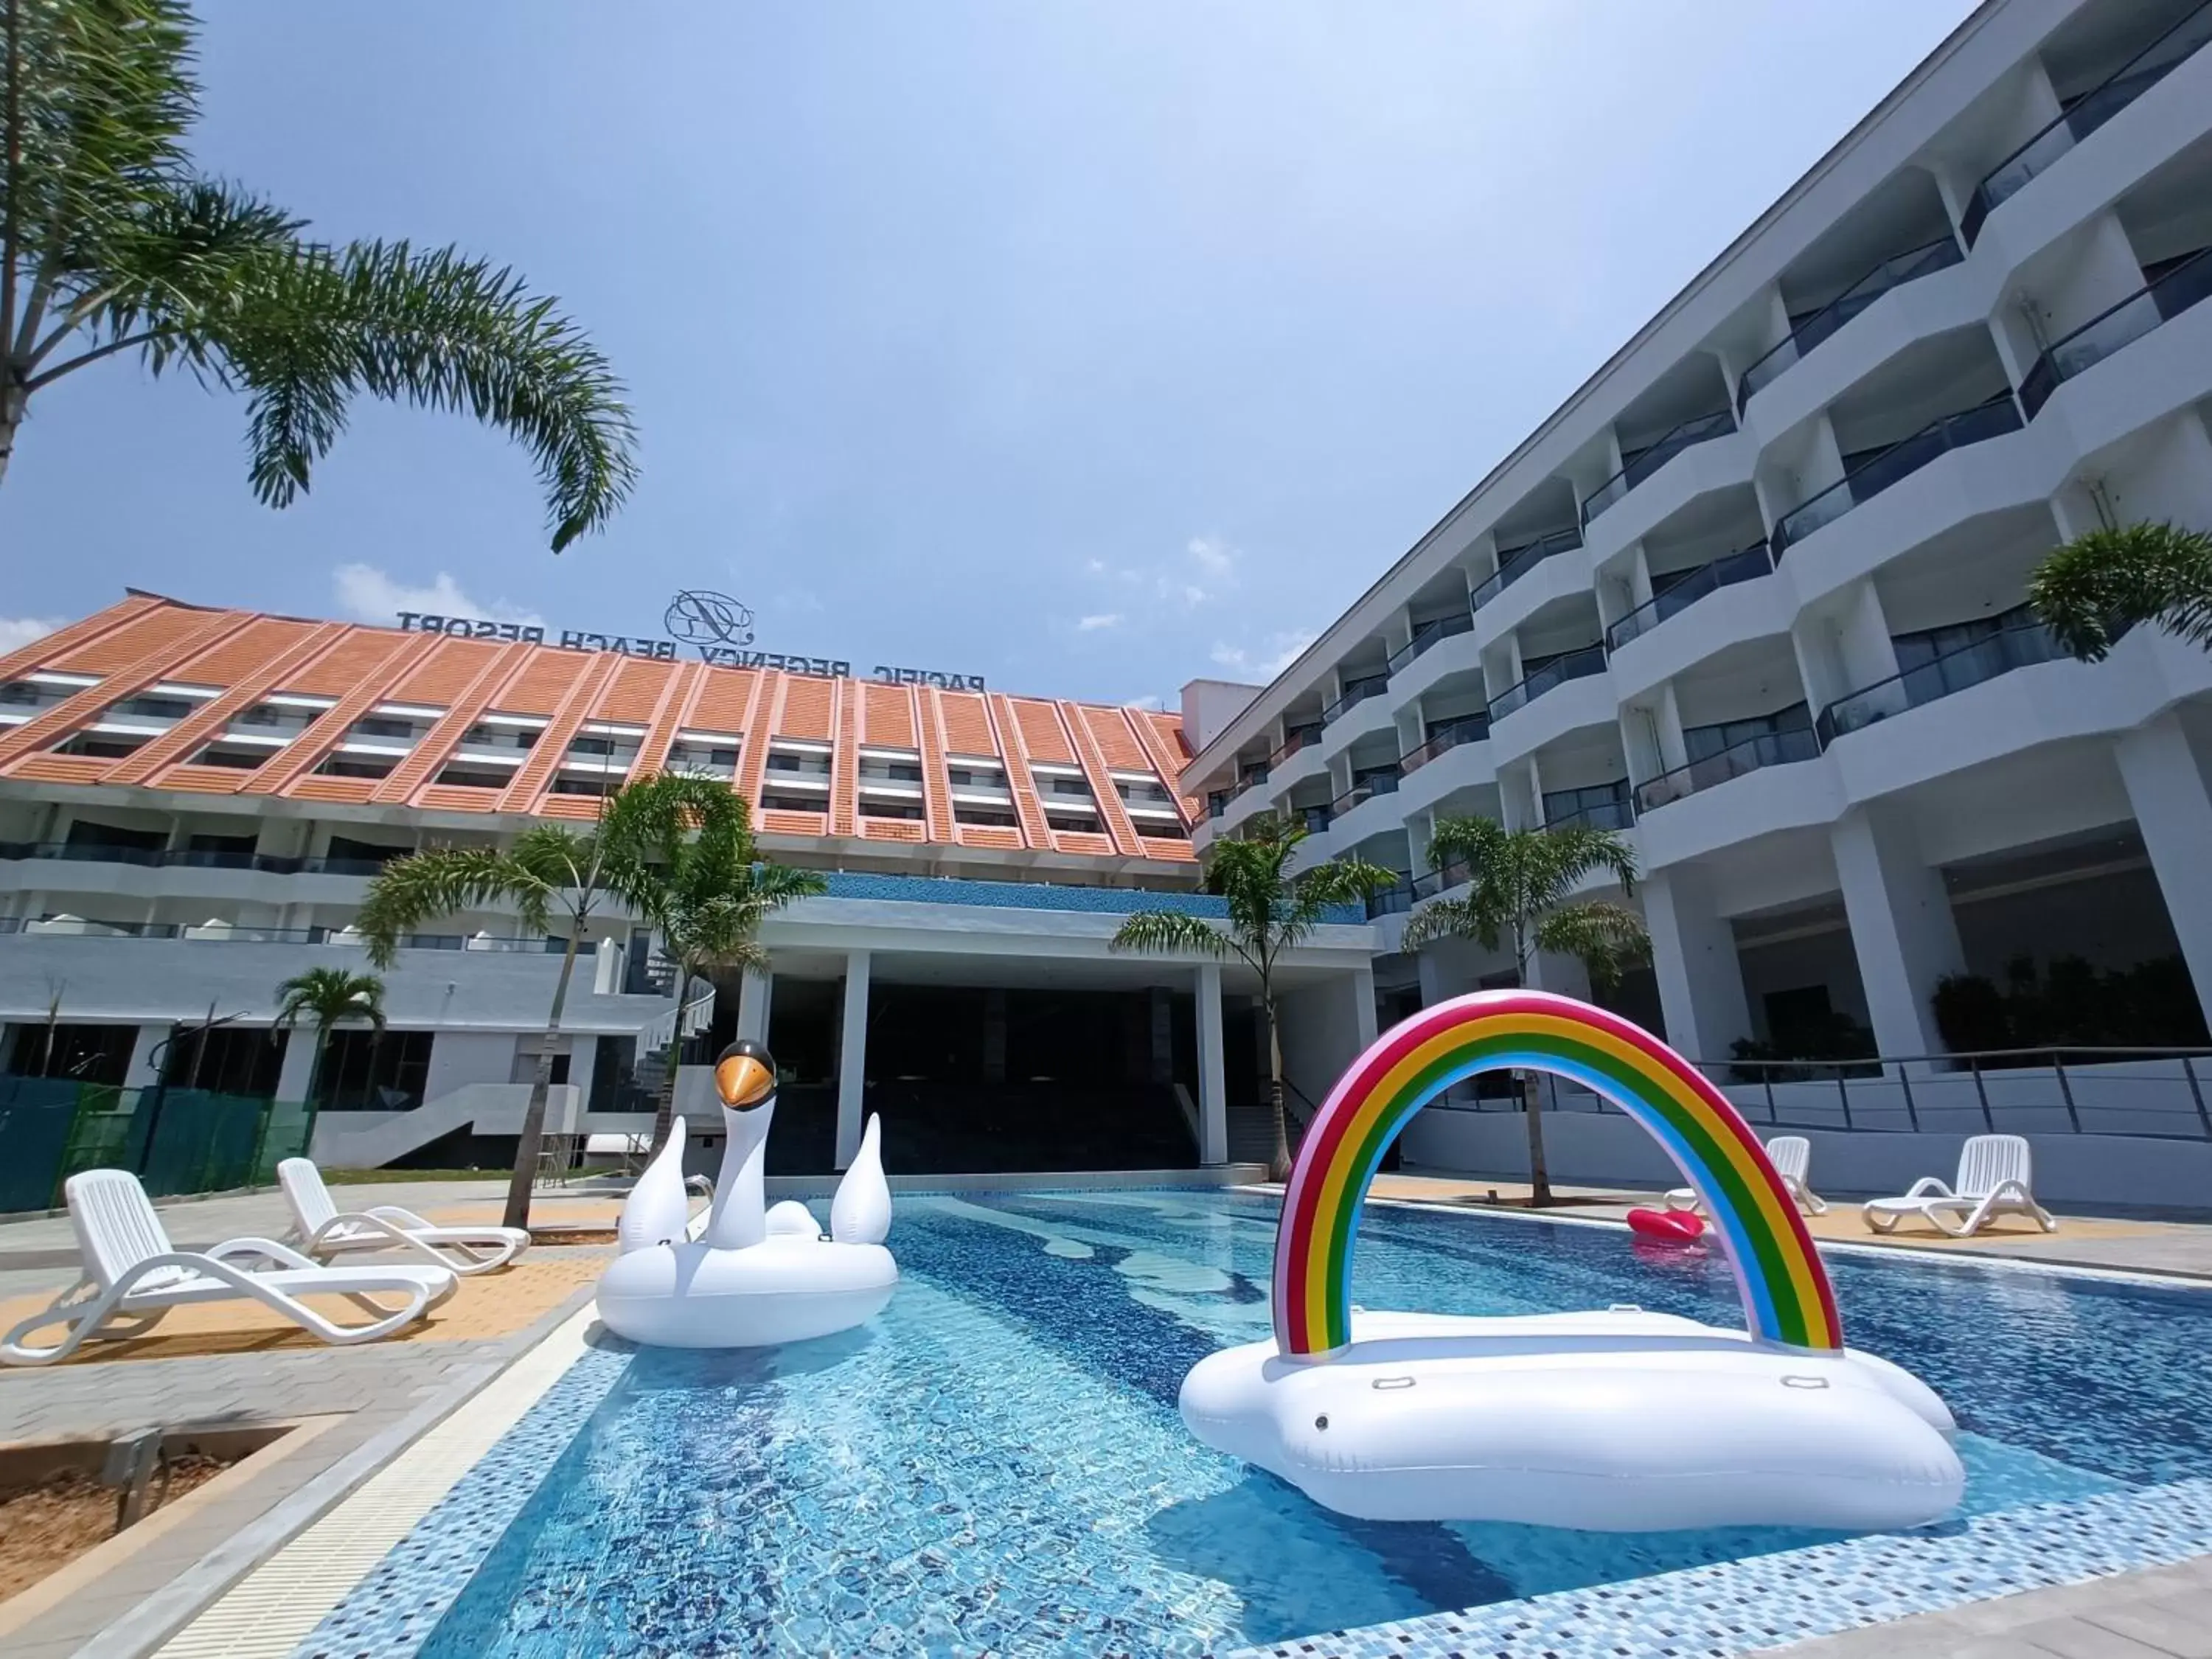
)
(1090, 347)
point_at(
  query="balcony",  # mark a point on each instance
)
(1294, 738)
(1685, 588)
(1355, 692)
(1217, 802)
(1572, 665)
(173, 857)
(2085, 115)
(225, 933)
(1653, 456)
(1763, 750)
(1470, 728)
(1316, 820)
(1416, 890)
(1893, 272)
(1428, 633)
(1618, 813)
(1900, 460)
(2021, 643)
(1515, 563)
(2127, 322)
(1383, 780)
(1247, 776)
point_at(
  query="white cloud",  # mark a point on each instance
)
(1154, 703)
(1206, 569)
(16, 632)
(1280, 652)
(1214, 556)
(373, 596)
(1105, 619)
(1094, 566)
(797, 602)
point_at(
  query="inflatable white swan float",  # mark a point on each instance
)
(754, 1277)
(1619, 1421)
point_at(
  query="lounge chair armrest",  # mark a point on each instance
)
(2005, 1189)
(232, 1249)
(405, 1219)
(1931, 1187)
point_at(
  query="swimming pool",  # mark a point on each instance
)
(996, 1465)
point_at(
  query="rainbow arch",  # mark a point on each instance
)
(1786, 1295)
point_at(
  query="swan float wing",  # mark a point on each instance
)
(861, 1213)
(657, 1210)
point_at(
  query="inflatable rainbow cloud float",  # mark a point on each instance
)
(1616, 1421)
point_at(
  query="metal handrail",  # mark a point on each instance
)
(2170, 295)
(1804, 336)
(193, 932)
(1992, 418)
(1469, 728)
(1357, 692)
(2084, 116)
(1567, 666)
(1295, 737)
(189, 858)
(1745, 564)
(2020, 644)
(1618, 813)
(1515, 563)
(1755, 753)
(1363, 789)
(1653, 456)
(1426, 634)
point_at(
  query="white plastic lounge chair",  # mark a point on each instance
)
(133, 1276)
(1792, 1157)
(323, 1232)
(1996, 1177)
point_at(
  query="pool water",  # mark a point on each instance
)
(995, 1465)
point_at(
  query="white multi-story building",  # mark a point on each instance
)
(1754, 595)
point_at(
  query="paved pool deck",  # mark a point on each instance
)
(385, 1396)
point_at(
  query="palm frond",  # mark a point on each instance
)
(446, 881)
(1448, 918)
(328, 996)
(2099, 586)
(1607, 938)
(1579, 850)
(1168, 931)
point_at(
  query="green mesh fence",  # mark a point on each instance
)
(175, 1140)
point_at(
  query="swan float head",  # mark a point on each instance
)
(744, 1077)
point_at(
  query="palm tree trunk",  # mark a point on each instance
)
(534, 1116)
(1279, 1165)
(664, 1110)
(1540, 1178)
(12, 400)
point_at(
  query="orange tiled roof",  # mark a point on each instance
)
(247, 657)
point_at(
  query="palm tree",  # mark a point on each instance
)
(1270, 911)
(710, 901)
(111, 240)
(2097, 587)
(1517, 898)
(329, 996)
(640, 831)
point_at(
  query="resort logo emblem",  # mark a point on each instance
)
(698, 617)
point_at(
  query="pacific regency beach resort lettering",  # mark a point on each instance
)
(721, 656)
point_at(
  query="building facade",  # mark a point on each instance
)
(193, 801)
(1755, 595)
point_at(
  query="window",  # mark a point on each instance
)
(22, 691)
(86, 832)
(506, 737)
(101, 746)
(781, 763)
(347, 848)
(791, 804)
(374, 727)
(591, 746)
(1075, 824)
(1603, 806)
(902, 771)
(1161, 830)
(366, 1071)
(590, 783)
(985, 817)
(892, 809)
(461, 776)
(355, 766)
(1075, 787)
(240, 758)
(83, 1054)
(976, 777)
(150, 709)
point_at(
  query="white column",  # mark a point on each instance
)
(755, 991)
(144, 1071)
(1901, 927)
(1694, 958)
(1212, 1078)
(1362, 982)
(292, 1076)
(853, 1057)
(2167, 792)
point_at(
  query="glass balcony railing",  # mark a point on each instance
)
(1893, 272)
(2125, 324)
(1574, 666)
(1441, 879)
(1685, 588)
(1393, 901)
(2021, 644)
(1900, 460)
(1247, 777)
(190, 857)
(1363, 789)
(2086, 114)
(222, 933)
(1217, 802)
(1515, 563)
(1754, 753)
(1649, 459)
(1618, 814)
(1294, 738)
(1470, 728)
(1354, 692)
(1315, 818)
(1428, 633)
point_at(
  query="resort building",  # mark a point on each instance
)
(193, 801)
(1755, 595)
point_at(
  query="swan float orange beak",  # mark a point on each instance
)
(745, 1076)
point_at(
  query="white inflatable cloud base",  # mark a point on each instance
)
(1622, 1421)
(788, 1288)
